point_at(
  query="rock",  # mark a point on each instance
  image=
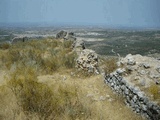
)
(143, 82)
(136, 78)
(157, 82)
(61, 34)
(142, 72)
(153, 75)
(88, 60)
(120, 70)
(130, 60)
(70, 36)
(130, 68)
(158, 69)
(134, 98)
(78, 45)
(19, 39)
(146, 65)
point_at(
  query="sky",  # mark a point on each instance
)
(127, 13)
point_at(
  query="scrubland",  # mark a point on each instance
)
(39, 81)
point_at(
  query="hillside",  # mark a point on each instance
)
(39, 81)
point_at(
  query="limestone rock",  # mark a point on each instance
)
(70, 36)
(130, 59)
(78, 45)
(146, 65)
(88, 60)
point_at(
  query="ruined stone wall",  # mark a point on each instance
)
(133, 97)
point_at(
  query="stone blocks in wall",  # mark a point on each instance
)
(133, 97)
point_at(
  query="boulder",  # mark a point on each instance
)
(88, 60)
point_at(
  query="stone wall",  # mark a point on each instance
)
(133, 97)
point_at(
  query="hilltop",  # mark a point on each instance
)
(39, 81)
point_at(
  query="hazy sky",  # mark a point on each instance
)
(142, 13)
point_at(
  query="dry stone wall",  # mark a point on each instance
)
(133, 96)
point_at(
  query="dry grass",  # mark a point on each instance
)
(46, 55)
(110, 65)
(27, 95)
(155, 91)
(4, 46)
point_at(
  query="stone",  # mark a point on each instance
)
(146, 65)
(120, 70)
(61, 34)
(126, 91)
(134, 98)
(140, 94)
(70, 36)
(144, 107)
(157, 82)
(142, 72)
(142, 82)
(130, 68)
(158, 69)
(88, 60)
(78, 45)
(130, 60)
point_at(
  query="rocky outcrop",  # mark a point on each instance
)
(70, 36)
(61, 34)
(88, 61)
(19, 39)
(78, 46)
(65, 35)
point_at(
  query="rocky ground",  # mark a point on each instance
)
(141, 71)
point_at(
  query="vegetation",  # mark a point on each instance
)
(4, 46)
(48, 102)
(45, 55)
(154, 90)
(25, 96)
(110, 65)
